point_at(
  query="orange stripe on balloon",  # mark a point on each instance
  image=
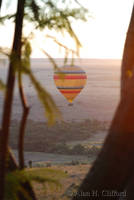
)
(70, 77)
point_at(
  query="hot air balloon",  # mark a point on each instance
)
(70, 80)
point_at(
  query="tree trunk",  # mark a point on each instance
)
(22, 124)
(0, 4)
(12, 165)
(128, 57)
(112, 171)
(21, 138)
(11, 161)
(114, 165)
(16, 50)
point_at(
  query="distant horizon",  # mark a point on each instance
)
(79, 58)
(60, 58)
(4, 57)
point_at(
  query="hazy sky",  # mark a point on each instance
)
(102, 36)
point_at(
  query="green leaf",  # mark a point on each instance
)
(5, 51)
(33, 8)
(45, 175)
(15, 179)
(13, 185)
(67, 50)
(66, 57)
(6, 17)
(72, 60)
(55, 66)
(51, 111)
(26, 52)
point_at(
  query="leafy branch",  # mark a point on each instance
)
(67, 50)
(16, 179)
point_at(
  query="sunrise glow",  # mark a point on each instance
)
(102, 36)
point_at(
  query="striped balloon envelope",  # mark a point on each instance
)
(70, 80)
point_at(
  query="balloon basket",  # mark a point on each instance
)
(70, 104)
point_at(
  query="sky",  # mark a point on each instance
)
(102, 36)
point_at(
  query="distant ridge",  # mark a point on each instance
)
(77, 61)
(88, 59)
(82, 61)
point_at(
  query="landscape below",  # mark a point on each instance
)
(72, 144)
